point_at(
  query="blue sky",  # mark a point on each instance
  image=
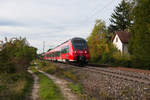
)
(52, 21)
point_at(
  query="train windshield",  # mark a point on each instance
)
(79, 44)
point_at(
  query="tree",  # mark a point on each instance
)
(94, 39)
(139, 46)
(16, 55)
(98, 42)
(121, 18)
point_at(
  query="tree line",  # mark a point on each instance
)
(16, 55)
(131, 16)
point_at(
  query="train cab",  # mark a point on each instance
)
(80, 50)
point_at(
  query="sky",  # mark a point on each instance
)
(52, 22)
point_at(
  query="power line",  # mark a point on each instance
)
(43, 46)
(103, 8)
(94, 9)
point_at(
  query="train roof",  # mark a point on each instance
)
(77, 38)
(66, 42)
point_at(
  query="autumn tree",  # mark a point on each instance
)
(98, 42)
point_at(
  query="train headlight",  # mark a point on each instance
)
(75, 51)
(85, 51)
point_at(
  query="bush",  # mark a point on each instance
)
(122, 60)
(15, 86)
(43, 64)
(16, 55)
(77, 88)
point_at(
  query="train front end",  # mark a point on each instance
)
(80, 50)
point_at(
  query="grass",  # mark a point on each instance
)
(48, 90)
(68, 74)
(53, 69)
(15, 86)
(33, 69)
(76, 88)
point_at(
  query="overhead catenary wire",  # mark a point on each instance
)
(101, 10)
(104, 9)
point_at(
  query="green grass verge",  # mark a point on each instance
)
(53, 69)
(48, 90)
(76, 88)
(66, 73)
(15, 86)
(33, 69)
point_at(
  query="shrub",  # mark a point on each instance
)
(43, 64)
(77, 88)
(123, 60)
(16, 55)
(15, 86)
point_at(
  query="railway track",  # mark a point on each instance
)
(104, 70)
(115, 82)
(121, 74)
(129, 76)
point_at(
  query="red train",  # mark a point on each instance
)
(73, 50)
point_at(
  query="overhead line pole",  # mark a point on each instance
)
(43, 46)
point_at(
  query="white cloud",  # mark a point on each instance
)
(52, 21)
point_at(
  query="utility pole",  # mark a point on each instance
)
(43, 46)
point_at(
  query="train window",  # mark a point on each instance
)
(67, 49)
(79, 44)
(57, 54)
(63, 50)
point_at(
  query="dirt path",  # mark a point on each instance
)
(35, 89)
(63, 86)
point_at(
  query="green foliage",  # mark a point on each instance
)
(50, 68)
(16, 56)
(77, 88)
(121, 18)
(15, 82)
(43, 64)
(122, 60)
(101, 50)
(140, 40)
(53, 69)
(69, 74)
(15, 86)
(96, 41)
(48, 90)
(107, 56)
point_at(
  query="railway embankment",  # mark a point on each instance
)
(105, 83)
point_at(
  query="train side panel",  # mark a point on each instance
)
(74, 50)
